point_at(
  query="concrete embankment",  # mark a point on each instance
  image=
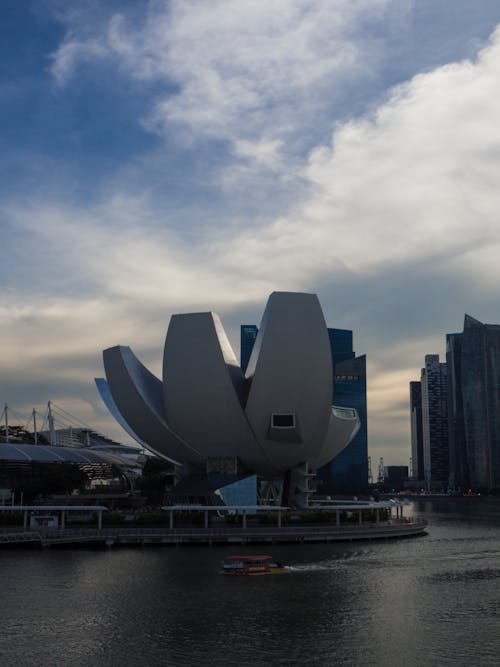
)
(211, 536)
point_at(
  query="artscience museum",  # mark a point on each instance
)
(275, 420)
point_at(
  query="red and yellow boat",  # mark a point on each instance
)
(240, 565)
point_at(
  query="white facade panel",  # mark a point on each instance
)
(204, 387)
(290, 371)
(343, 427)
(138, 394)
(107, 398)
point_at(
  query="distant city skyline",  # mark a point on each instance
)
(170, 157)
(455, 412)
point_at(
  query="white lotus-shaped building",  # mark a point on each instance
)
(275, 418)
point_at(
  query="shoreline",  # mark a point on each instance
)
(110, 537)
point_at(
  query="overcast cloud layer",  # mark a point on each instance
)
(173, 156)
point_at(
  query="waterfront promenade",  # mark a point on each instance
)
(116, 536)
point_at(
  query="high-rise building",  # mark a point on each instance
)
(248, 334)
(417, 443)
(480, 375)
(435, 420)
(341, 345)
(459, 469)
(461, 397)
(348, 471)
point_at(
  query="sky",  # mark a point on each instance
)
(169, 156)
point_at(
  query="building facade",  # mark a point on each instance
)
(348, 471)
(480, 383)
(461, 397)
(459, 468)
(435, 420)
(417, 443)
(395, 477)
(248, 334)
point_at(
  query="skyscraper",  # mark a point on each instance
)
(417, 443)
(463, 398)
(248, 334)
(459, 469)
(435, 420)
(480, 382)
(348, 471)
(341, 345)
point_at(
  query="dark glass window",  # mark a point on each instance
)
(283, 420)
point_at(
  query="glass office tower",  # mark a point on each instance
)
(348, 471)
(435, 420)
(461, 409)
(480, 366)
(459, 468)
(248, 334)
(341, 345)
(417, 442)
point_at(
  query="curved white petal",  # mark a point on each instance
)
(138, 395)
(108, 400)
(343, 427)
(291, 375)
(204, 390)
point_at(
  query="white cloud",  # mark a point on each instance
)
(414, 178)
(123, 252)
(417, 178)
(265, 153)
(252, 71)
(72, 52)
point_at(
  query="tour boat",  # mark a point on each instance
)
(236, 565)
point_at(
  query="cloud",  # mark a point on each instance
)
(255, 72)
(390, 215)
(416, 179)
(73, 51)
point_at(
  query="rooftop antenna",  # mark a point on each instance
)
(370, 476)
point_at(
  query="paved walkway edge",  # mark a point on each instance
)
(180, 536)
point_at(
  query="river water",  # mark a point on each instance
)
(426, 601)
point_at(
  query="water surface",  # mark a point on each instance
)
(433, 600)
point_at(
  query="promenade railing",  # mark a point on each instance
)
(210, 534)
